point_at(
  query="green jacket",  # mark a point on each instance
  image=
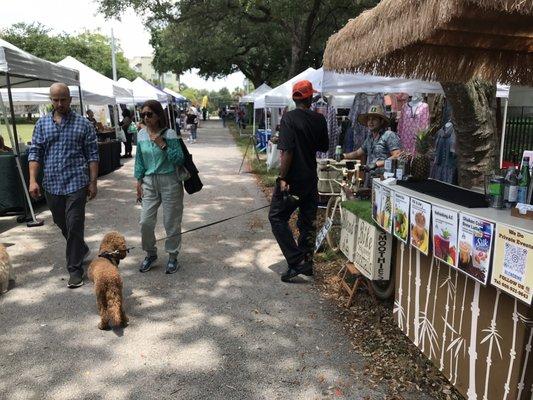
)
(150, 159)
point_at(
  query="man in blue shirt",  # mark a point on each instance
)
(64, 145)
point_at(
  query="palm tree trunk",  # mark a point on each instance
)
(474, 120)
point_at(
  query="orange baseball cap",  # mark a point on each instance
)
(302, 90)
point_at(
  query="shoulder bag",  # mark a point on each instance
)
(192, 183)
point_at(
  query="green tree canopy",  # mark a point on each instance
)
(91, 48)
(268, 40)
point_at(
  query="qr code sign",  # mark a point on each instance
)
(514, 261)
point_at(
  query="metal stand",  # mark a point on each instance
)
(251, 142)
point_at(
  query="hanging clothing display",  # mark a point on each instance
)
(333, 130)
(396, 101)
(445, 164)
(414, 118)
(330, 113)
(361, 103)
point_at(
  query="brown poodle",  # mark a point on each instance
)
(103, 272)
(6, 270)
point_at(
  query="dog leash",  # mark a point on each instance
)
(216, 222)
(106, 254)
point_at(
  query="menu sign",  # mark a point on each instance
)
(348, 234)
(513, 253)
(475, 244)
(401, 216)
(376, 200)
(372, 251)
(445, 225)
(420, 218)
(384, 210)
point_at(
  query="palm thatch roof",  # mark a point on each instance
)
(444, 40)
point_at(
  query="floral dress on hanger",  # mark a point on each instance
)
(412, 120)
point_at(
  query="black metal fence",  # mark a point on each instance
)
(518, 133)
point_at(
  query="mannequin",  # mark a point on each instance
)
(414, 118)
(444, 167)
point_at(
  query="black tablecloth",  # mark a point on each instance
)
(12, 197)
(444, 191)
(109, 157)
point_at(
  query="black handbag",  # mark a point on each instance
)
(193, 184)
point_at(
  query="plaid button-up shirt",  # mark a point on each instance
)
(64, 152)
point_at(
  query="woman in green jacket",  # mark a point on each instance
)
(158, 154)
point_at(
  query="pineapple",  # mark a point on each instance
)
(421, 163)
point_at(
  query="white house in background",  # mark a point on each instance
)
(143, 65)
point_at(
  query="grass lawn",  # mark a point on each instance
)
(268, 178)
(25, 132)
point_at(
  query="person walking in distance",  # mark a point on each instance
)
(302, 133)
(64, 146)
(192, 122)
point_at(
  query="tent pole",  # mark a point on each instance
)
(253, 124)
(504, 126)
(81, 101)
(14, 138)
(173, 116)
(12, 109)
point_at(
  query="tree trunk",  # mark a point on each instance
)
(474, 120)
(296, 58)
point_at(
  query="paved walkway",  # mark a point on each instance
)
(224, 327)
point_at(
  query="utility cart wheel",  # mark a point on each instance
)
(385, 289)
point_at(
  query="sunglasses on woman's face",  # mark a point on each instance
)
(147, 114)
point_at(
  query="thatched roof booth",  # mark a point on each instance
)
(443, 40)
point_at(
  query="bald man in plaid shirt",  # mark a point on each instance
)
(64, 145)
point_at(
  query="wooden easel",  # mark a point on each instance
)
(351, 269)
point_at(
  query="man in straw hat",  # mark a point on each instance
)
(380, 144)
(302, 133)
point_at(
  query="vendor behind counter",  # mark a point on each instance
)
(379, 145)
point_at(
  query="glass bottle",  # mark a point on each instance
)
(511, 187)
(524, 181)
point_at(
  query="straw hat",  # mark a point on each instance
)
(373, 111)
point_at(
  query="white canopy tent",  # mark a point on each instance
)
(143, 91)
(250, 97)
(96, 88)
(281, 96)
(25, 70)
(334, 83)
(174, 94)
(21, 69)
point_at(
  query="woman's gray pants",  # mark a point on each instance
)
(165, 189)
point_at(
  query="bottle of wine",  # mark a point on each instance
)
(524, 181)
(511, 188)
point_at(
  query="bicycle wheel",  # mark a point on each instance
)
(333, 211)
